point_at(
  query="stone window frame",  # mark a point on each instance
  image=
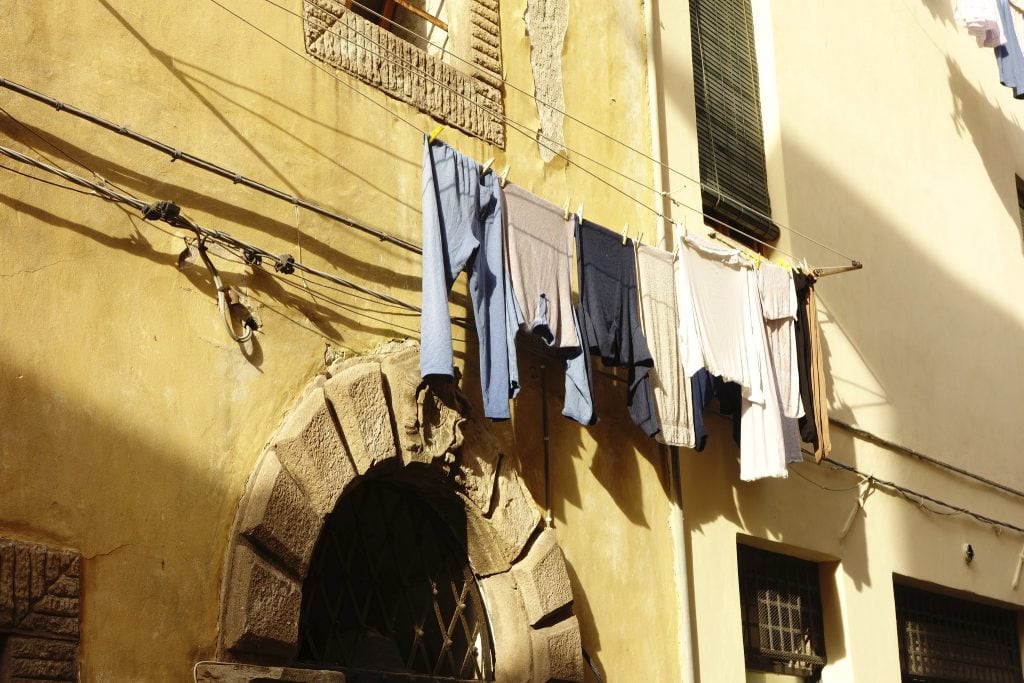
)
(367, 416)
(469, 99)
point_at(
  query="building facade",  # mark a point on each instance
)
(180, 505)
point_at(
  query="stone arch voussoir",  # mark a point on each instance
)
(371, 415)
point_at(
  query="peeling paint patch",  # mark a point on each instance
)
(546, 23)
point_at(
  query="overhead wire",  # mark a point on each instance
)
(588, 126)
(922, 498)
(253, 253)
(519, 128)
(248, 250)
(180, 155)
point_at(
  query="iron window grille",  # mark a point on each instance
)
(390, 594)
(781, 603)
(730, 133)
(944, 639)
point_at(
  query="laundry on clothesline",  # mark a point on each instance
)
(707, 322)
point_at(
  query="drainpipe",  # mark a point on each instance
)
(664, 233)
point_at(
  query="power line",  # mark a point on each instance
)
(521, 129)
(905, 491)
(583, 123)
(177, 154)
(252, 253)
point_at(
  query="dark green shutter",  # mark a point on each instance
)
(730, 134)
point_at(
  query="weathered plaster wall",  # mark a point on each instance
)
(890, 139)
(131, 421)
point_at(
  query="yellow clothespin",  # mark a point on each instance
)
(757, 261)
(784, 264)
(434, 133)
(625, 233)
(503, 180)
(565, 208)
(486, 167)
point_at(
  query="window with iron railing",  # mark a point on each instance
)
(390, 594)
(944, 639)
(783, 633)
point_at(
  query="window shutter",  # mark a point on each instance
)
(730, 135)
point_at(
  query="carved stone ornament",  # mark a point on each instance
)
(39, 612)
(372, 417)
(466, 96)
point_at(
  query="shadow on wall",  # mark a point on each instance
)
(144, 513)
(170, 63)
(976, 117)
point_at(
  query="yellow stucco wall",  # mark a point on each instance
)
(889, 138)
(130, 420)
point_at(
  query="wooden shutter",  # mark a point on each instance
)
(730, 134)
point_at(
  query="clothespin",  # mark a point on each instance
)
(565, 209)
(579, 212)
(503, 179)
(625, 233)
(640, 237)
(434, 133)
(486, 167)
(757, 261)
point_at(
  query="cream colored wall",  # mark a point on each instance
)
(890, 139)
(131, 421)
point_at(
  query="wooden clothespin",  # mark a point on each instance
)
(486, 167)
(503, 179)
(625, 233)
(434, 133)
(565, 208)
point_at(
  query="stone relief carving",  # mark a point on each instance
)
(466, 96)
(39, 606)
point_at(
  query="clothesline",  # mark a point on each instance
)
(673, 321)
(533, 136)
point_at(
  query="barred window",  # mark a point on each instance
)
(390, 595)
(945, 639)
(782, 623)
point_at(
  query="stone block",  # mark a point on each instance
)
(277, 516)
(39, 589)
(558, 652)
(223, 672)
(311, 449)
(358, 397)
(514, 516)
(263, 605)
(513, 646)
(38, 659)
(542, 578)
(487, 552)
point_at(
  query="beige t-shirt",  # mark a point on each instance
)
(539, 246)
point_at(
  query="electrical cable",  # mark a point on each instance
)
(178, 154)
(891, 445)
(922, 497)
(253, 254)
(586, 125)
(170, 214)
(523, 130)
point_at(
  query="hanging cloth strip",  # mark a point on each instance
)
(1008, 54)
(609, 318)
(659, 308)
(462, 229)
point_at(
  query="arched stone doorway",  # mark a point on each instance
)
(372, 418)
